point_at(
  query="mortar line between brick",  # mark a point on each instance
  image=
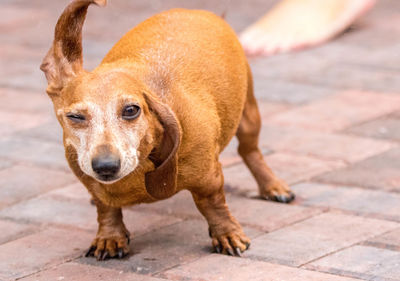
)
(394, 142)
(311, 84)
(312, 156)
(372, 68)
(334, 274)
(328, 182)
(345, 248)
(364, 122)
(345, 186)
(157, 273)
(33, 197)
(50, 267)
(19, 88)
(22, 162)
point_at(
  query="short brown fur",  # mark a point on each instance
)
(190, 76)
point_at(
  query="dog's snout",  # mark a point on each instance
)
(106, 166)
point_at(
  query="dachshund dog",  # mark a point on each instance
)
(153, 117)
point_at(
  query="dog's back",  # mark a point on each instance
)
(193, 54)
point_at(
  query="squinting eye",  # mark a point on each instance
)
(130, 112)
(77, 118)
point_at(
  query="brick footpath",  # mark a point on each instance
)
(331, 120)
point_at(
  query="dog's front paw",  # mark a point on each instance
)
(232, 243)
(278, 191)
(115, 246)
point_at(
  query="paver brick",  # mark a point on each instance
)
(308, 240)
(21, 182)
(139, 219)
(383, 58)
(377, 172)
(285, 67)
(44, 210)
(79, 272)
(287, 91)
(384, 128)
(268, 108)
(353, 76)
(230, 156)
(266, 215)
(371, 203)
(11, 230)
(290, 167)
(362, 262)
(41, 250)
(16, 101)
(253, 212)
(338, 112)
(328, 146)
(76, 191)
(299, 102)
(5, 163)
(180, 205)
(165, 248)
(33, 151)
(14, 17)
(49, 132)
(11, 122)
(218, 267)
(383, 38)
(65, 212)
(389, 241)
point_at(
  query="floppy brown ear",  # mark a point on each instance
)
(64, 59)
(162, 182)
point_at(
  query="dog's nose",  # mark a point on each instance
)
(106, 166)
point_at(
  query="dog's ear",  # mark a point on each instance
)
(64, 59)
(162, 182)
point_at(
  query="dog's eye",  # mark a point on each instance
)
(77, 118)
(130, 112)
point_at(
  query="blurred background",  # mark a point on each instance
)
(331, 129)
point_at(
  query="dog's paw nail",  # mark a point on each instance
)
(284, 198)
(230, 252)
(105, 255)
(238, 252)
(280, 198)
(265, 197)
(129, 239)
(217, 249)
(99, 255)
(121, 253)
(90, 252)
(247, 246)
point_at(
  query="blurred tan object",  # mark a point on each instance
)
(297, 24)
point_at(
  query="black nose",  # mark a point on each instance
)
(106, 166)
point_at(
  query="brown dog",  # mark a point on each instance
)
(153, 118)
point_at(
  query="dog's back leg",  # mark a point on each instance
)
(248, 132)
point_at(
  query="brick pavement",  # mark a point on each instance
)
(331, 122)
